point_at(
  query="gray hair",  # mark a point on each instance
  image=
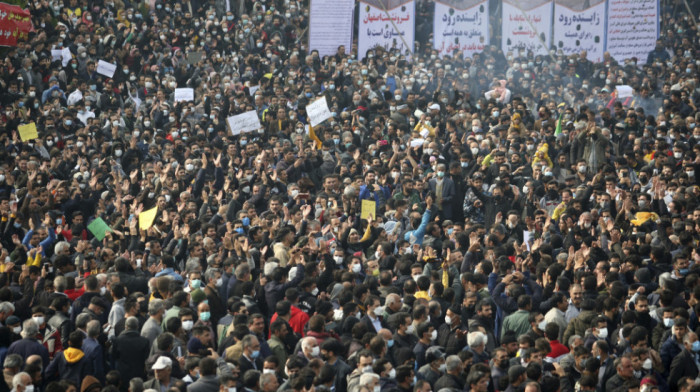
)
(392, 298)
(242, 270)
(247, 341)
(266, 378)
(476, 339)
(6, 307)
(61, 246)
(366, 378)
(29, 329)
(453, 363)
(192, 265)
(17, 379)
(136, 384)
(210, 274)
(13, 361)
(132, 323)
(155, 306)
(93, 328)
(573, 338)
(60, 284)
(82, 320)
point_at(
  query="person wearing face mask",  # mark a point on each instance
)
(374, 318)
(444, 189)
(250, 357)
(451, 379)
(685, 363)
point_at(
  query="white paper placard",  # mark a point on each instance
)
(184, 94)
(318, 111)
(624, 91)
(330, 26)
(245, 122)
(632, 29)
(56, 54)
(106, 69)
(461, 25)
(67, 56)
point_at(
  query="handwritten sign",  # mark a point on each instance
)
(318, 111)
(15, 24)
(577, 29)
(369, 207)
(184, 94)
(461, 27)
(245, 122)
(632, 29)
(330, 25)
(393, 28)
(98, 228)
(106, 69)
(624, 91)
(27, 132)
(146, 218)
(526, 25)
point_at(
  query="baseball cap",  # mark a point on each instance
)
(162, 363)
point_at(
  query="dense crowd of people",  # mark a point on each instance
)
(499, 222)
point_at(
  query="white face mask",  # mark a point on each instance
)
(356, 268)
(29, 388)
(603, 333)
(338, 259)
(448, 320)
(668, 322)
(647, 364)
(392, 373)
(187, 325)
(39, 320)
(17, 329)
(316, 351)
(443, 368)
(314, 292)
(433, 335)
(268, 371)
(378, 311)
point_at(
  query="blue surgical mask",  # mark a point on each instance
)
(17, 225)
(204, 316)
(696, 346)
(245, 221)
(390, 343)
(240, 230)
(683, 271)
(255, 354)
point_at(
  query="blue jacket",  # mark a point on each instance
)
(419, 233)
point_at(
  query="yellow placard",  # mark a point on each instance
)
(28, 132)
(369, 207)
(146, 218)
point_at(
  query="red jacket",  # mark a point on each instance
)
(297, 320)
(558, 349)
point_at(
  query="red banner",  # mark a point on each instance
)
(15, 24)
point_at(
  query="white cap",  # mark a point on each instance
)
(162, 363)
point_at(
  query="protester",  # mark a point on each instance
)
(497, 223)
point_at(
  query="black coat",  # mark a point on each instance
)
(449, 381)
(683, 365)
(130, 352)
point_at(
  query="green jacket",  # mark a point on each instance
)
(518, 322)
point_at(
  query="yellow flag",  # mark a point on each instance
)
(146, 218)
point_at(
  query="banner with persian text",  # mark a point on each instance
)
(330, 25)
(527, 25)
(580, 25)
(461, 25)
(633, 27)
(386, 23)
(15, 23)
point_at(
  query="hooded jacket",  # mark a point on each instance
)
(69, 365)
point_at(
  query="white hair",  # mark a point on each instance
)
(306, 342)
(269, 267)
(29, 329)
(18, 378)
(367, 378)
(476, 339)
(7, 307)
(61, 246)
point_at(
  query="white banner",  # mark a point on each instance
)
(461, 25)
(632, 29)
(577, 29)
(330, 26)
(376, 26)
(244, 122)
(318, 111)
(184, 94)
(106, 69)
(527, 25)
